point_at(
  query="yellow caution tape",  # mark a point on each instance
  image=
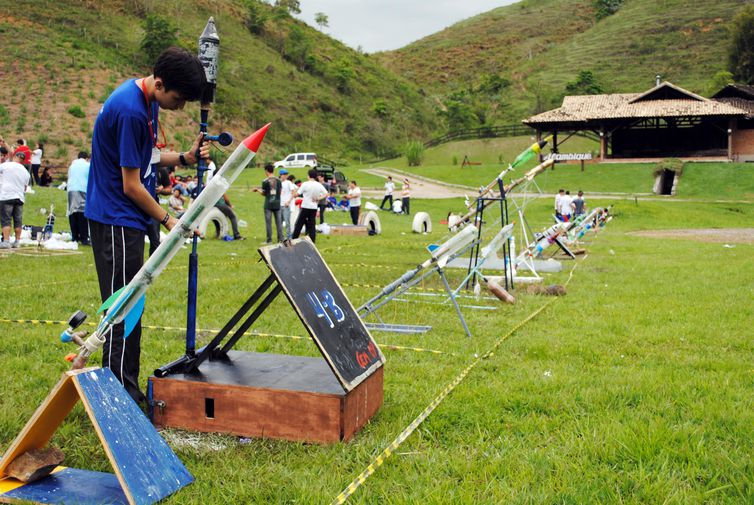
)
(251, 333)
(388, 451)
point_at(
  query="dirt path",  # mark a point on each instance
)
(423, 187)
(420, 187)
(710, 235)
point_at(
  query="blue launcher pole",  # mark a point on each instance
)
(193, 267)
(209, 46)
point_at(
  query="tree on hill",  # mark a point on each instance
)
(721, 79)
(585, 84)
(741, 52)
(492, 83)
(605, 8)
(291, 6)
(343, 75)
(159, 34)
(298, 48)
(322, 20)
(459, 112)
(256, 16)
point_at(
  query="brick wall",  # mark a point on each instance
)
(743, 145)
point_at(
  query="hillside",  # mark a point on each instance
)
(533, 48)
(62, 59)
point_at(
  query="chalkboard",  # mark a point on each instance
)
(325, 310)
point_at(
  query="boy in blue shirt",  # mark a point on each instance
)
(126, 151)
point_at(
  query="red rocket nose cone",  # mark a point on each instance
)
(252, 141)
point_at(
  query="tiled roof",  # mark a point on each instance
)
(740, 103)
(585, 108)
(736, 91)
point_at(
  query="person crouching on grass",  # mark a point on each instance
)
(127, 145)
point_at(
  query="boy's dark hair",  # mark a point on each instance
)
(3, 150)
(181, 71)
(21, 142)
(83, 155)
(354, 183)
(312, 173)
(269, 168)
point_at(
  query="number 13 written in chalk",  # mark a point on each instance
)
(327, 302)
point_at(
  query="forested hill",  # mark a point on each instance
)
(519, 59)
(61, 59)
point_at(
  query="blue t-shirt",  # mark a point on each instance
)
(121, 138)
(78, 174)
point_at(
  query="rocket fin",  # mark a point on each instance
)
(133, 317)
(107, 303)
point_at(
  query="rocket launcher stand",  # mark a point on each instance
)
(316, 399)
(405, 283)
(190, 362)
(482, 203)
(559, 242)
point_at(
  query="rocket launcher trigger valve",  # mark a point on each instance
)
(70, 334)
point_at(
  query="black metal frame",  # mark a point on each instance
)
(190, 363)
(479, 223)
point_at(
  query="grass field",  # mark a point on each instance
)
(635, 388)
(706, 181)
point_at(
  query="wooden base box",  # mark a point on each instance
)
(266, 395)
(349, 229)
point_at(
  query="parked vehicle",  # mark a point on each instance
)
(341, 183)
(298, 160)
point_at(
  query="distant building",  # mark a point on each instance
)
(665, 121)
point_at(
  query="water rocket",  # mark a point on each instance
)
(127, 304)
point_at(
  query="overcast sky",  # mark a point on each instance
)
(378, 25)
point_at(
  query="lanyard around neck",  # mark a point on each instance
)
(149, 123)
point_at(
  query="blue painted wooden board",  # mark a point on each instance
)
(71, 486)
(148, 468)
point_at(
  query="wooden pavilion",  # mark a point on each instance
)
(665, 121)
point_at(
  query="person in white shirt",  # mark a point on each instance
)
(405, 196)
(311, 192)
(561, 194)
(287, 192)
(566, 208)
(36, 162)
(389, 188)
(354, 201)
(14, 179)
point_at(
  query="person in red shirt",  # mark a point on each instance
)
(23, 148)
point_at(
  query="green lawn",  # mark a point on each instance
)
(707, 181)
(717, 181)
(636, 387)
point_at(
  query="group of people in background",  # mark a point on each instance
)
(19, 170)
(32, 160)
(15, 178)
(567, 207)
(283, 194)
(405, 196)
